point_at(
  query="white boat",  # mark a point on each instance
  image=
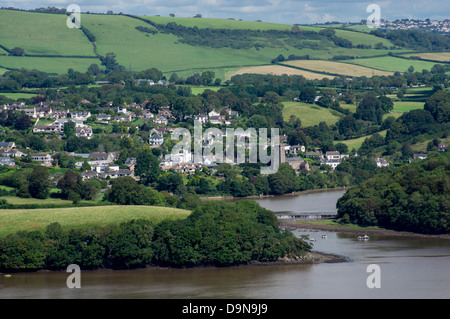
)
(324, 236)
(365, 237)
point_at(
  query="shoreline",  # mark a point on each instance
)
(310, 258)
(360, 231)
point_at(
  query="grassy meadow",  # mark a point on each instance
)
(357, 142)
(215, 23)
(13, 220)
(310, 114)
(47, 34)
(42, 33)
(47, 64)
(16, 96)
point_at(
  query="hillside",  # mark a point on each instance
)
(181, 45)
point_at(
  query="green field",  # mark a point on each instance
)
(16, 96)
(47, 64)
(13, 220)
(406, 106)
(42, 33)
(390, 63)
(310, 114)
(357, 142)
(200, 89)
(48, 34)
(215, 23)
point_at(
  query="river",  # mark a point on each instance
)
(409, 267)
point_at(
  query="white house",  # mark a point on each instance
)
(43, 158)
(155, 139)
(381, 162)
(80, 115)
(84, 132)
(173, 159)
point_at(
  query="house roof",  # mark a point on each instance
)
(99, 155)
(294, 159)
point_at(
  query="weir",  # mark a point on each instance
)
(305, 216)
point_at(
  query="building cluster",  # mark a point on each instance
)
(428, 25)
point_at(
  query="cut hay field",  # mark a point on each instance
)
(335, 68)
(310, 114)
(79, 217)
(390, 63)
(280, 70)
(434, 56)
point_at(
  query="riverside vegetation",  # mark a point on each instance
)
(215, 234)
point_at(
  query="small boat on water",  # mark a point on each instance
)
(324, 236)
(312, 239)
(365, 237)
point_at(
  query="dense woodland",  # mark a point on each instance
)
(414, 197)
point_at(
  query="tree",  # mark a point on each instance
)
(386, 104)
(17, 51)
(70, 184)
(69, 129)
(207, 77)
(439, 106)
(39, 182)
(147, 166)
(85, 166)
(156, 101)
(369, 109)
(126, 191)
(308, 94)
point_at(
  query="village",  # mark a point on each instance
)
(50, 119)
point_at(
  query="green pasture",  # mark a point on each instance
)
(215, 23)
(13, 220)
(47, 64)
(357, 142)
(310, 114)
(42, 33)
(16, 96)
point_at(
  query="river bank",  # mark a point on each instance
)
(309, 258)
(309, 226)
(309, 191)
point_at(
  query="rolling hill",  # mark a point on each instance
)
(181, 45)
(51, 46)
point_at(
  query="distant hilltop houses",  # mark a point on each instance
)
(436, 26)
